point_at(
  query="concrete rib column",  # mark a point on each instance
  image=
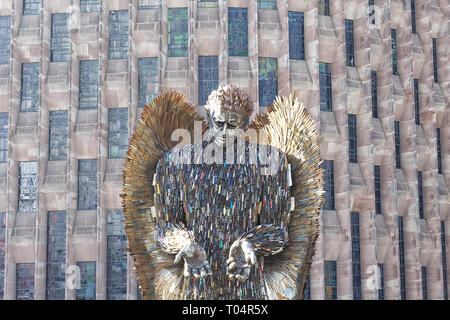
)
(341, 164)
(365, 150)
(284, 83)
(253, 51)
(223, 46)
(163, 43)
(13, 163)
(192, 52)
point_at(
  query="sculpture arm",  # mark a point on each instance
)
(266, 239)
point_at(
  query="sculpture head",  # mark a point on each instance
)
(228, 110)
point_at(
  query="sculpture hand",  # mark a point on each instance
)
(195, 261)
(241, 258)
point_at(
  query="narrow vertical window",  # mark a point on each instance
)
(325, 86)
(29, 99)
(87, 281)
(267, 4)
(31, 7)
(330, 280)
(118, 34)
(117, 257)
(87, 184)
(88, 84)
(267, 80)
(356, 256)
(117, 132)
(397, 145)
(3, 137)
(444, 260)
(380, 281)
(5, 39)
(416, 101)
(349, 43)
(413, 16)
(237, 32)
(296, 35)
(148, 80)
(56, 255)
(207, 4)
(89, 5)
(401, 247)
(2, 253)
(352, 139)
(420, 193)
(208, 77)
(424, 283)
(373, 77)
(178, 32)
(377, 179)
(438, 148)
(328, 166)
(28, 187)
(372, 12)
(394, 50)
(307, 294)
(60, 40)
(435, 73)
(25, 281)
(323, 7)
(58, 135)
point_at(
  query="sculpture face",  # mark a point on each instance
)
(225, 122)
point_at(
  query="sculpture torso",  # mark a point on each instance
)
(220, 202)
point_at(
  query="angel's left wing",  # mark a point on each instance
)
(150, 141)
(289, 128)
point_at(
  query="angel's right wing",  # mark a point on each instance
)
(150, 141)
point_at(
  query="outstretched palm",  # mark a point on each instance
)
(241, 258)
(195, 261)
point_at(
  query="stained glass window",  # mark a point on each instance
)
(118, 34)
(28, 188)
(2, 252)
(87, 184)
(330, 280)
(380, 281)
(325, 87)
(307, 294)
(208, 77)
(328, 166)
(29, 101)
(117, 132)
(56, 255)
(88, 84)
(356, 256)
(371, 12)
(420, 193)
(60, 41)
(90, 5)
(377, 179)
(25, 281)
(148, 80)
(296, 35)
(394, 50)
(349, 43)
(268, 80)
(323, 7)
(3, 137)
(207, 4)
(352, 138)
(117, 257)
(237, 32)
(59, 128)
(416, 101)
(435, 73)
(267, 4)
(413, 16)
(5, 39)
(31, 7)
(87, 281)
(438, 148)
(401, 248)
(397, 145)
(178, 32)
(374, 94)
(147, 4)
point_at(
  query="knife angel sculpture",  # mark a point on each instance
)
(224, 217)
